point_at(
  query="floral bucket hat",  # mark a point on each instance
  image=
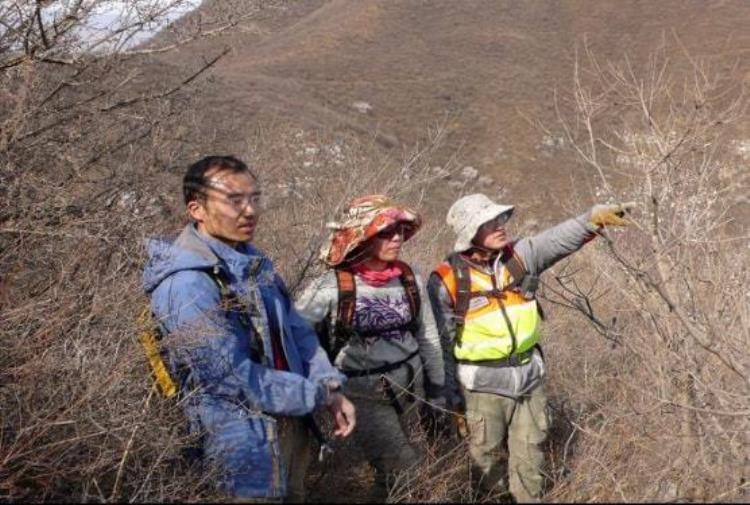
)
(363, 219)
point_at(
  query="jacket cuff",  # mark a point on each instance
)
(434, 390)
(591, 229)
(326, 389)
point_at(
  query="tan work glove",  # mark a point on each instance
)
(610, 215)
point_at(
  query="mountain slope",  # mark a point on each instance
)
(479, 68)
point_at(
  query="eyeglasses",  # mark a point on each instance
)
(391, 232)
(239, 200)
(496, 222)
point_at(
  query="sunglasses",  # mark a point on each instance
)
(496, 222)
(391, 232)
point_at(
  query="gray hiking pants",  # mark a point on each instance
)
(382, 427)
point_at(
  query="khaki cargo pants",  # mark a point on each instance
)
(525, 422)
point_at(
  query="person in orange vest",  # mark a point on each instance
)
(483, 296)
(373, 317)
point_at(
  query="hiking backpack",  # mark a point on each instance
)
(151, 335)
(334, 339)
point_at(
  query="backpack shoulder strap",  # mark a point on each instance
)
(347, 295)
(219, 276)
(334, 334)
(463, 290)
(230, 303)
(150, 335)
(409, 281)
(514, 265)
(520, 276)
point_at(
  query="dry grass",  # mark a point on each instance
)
(651, 400)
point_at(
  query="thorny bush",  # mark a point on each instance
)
(661, 401)
(92, 148)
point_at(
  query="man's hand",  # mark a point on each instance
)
(610, 215)
(343, 414)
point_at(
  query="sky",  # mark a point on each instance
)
(111, 15)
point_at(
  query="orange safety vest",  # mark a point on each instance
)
(495, 320)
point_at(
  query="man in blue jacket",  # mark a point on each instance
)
(248, 366)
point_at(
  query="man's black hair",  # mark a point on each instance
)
(195, 181)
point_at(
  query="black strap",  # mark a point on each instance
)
(521, 278)
(387, 329)
(381, 369)
(222, 280)
(512, 360)
(230, 303)
(463, 292)
(409, 282)
(514, 265)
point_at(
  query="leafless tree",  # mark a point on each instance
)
(87, 123)
(667, 402)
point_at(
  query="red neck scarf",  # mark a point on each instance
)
(377, 278)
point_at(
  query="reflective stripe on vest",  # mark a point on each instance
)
(486, 334)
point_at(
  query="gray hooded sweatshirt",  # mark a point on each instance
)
(538, 254)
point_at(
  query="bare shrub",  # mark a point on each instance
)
(84, 131)
(93, 144)
(309, 178)
(660, 404)
(651, 398)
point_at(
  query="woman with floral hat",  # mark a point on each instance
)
(374, 318)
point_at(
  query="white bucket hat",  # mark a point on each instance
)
(470, 212)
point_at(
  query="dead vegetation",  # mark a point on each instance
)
(82, 138)
(650, 399)
(661, 402)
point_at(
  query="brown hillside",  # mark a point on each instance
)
(487, 66)
(647, 328)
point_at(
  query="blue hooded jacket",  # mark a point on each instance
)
(233, 398)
